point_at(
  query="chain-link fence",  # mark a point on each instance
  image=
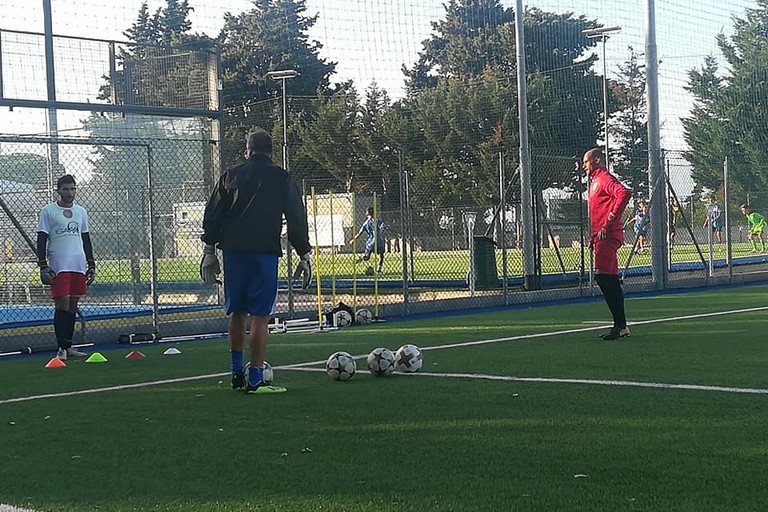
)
(439, 165)
(145, 200)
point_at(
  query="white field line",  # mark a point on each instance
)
(299, 366)
(113, 388)
(620, 383)
(10, 508)
(553, 333)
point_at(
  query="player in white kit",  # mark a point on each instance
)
(65, 258)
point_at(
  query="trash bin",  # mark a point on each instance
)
(486, 275)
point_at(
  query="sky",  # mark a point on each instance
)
(369, 40)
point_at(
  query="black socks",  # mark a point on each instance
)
(64, 327)
(614, 296)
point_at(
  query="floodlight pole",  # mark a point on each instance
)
(659, 242)
(54, 166)
(283, 76)
(603, 33)
(530, 277)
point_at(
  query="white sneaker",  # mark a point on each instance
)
(73, 352)
(62, 354)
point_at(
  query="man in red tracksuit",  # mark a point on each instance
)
(607, 200)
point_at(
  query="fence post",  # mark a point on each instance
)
(403, 245)
(727, 221)
(502, 230)
(152, 248)
(469, 221)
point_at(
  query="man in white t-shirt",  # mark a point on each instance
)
(65, 258)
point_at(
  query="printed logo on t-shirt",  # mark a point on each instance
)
(72, 228)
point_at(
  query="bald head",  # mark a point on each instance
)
(593, 159)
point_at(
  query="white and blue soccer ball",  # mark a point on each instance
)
(364, 316)
(342, 318)
(340, 366)
(381, 362)
(269, 373)
(409, 359)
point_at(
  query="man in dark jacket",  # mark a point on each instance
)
(244, 218)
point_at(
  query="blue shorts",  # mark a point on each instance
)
(250, 283)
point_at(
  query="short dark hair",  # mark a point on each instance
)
(744, 206)
(67, 178)
(260, 141)
(370, 211)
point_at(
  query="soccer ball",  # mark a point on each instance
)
(342, 318)
(269, 372)
(409, 359)
(340, 366)
(364, 316)
(381, 362)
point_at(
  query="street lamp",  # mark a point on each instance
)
(602, 34)
(284, 75)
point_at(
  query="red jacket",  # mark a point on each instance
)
(607, 195)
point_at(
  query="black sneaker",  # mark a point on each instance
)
(616, 333)
(238, 380)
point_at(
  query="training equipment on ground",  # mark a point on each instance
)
(172, 352)
(55, 362)
(342, 318)
(135, 354)
(96, 358)
(340, 366)
(381, 362)
(364, 316)
(298, 325)
(409, 359)
(266, 390)
(269, 373)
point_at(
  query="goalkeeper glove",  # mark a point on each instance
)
(304, 270)
(46, 274)
(209, 266)
(90, 274)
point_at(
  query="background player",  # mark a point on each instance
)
(375, 238)
(757, 225)
(641, 221)
(715, 219)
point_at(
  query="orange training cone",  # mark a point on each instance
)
(55, 362)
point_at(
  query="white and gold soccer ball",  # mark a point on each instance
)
(381, 362)
(408, 359)
(340, 366)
